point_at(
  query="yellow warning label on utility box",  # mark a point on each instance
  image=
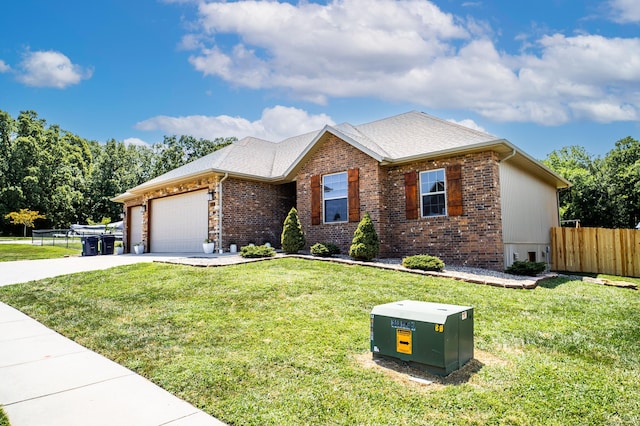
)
(403, 341)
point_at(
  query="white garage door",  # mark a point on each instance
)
(179, 223)
(135, 223)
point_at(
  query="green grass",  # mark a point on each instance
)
(11, 252)
(284, 342)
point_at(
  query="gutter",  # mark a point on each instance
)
(482, 146)
(220, 215)
(515, 151)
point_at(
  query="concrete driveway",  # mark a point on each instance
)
(28, 270)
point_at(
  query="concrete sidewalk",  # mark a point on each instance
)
(49, 380)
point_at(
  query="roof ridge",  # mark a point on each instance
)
(376, 145)
(453, 123)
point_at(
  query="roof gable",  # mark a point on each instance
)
(414, 133)
(401, 138)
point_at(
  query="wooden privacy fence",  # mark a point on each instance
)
(596, 250)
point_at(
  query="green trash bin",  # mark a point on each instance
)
(430, 336)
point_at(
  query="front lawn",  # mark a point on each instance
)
(11, 252)
(286, 342)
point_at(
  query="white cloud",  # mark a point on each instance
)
(605, 111)
(625, 11)
(276, 123)
(4, 67)
(135, 141)
(51, 69)
(190, 42)
(467, 122)
(412, 51)
(309, 47)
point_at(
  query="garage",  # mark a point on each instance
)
(135, 226)
(179, 223)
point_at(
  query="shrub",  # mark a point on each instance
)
(320, 250)
(292, 238)
(520, 267)
(324, 249)
(365, 244)
(333, 248)
(423, 262)
(257, 251)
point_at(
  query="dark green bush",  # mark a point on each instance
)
(320, 250)
(324, 249)
(365, 244)
(292, 238)
(423, 262)
(257, 251)
(333, 249)
(525, 267)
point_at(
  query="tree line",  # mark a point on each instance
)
(69, 179)
(605, 191)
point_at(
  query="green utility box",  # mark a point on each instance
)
(431, 336)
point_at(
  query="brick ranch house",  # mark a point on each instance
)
(430, 186)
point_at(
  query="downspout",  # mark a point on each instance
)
(504, 246)
(220, 249)
(509, 156)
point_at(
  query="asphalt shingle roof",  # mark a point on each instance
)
(406, 136)
(414, 133)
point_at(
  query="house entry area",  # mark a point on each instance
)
(179, 223)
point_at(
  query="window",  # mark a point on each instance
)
(334, 197)
(433, 193)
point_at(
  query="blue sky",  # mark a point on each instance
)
(542, 74)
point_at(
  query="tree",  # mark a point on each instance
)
(24, 217)
(174, 152)
(587, 199)
(70, 179)
(622, 168)
(292, 238)
(365, 244)
(107, 180)
(7, 132)
(605, 192)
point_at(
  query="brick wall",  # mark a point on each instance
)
(253, 212)
(472, 239)
(333, 155)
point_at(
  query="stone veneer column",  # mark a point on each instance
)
(214, 213)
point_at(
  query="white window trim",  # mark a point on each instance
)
(324, 216)
(422, 194)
